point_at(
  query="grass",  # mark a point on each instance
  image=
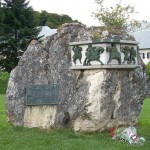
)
(19, 138)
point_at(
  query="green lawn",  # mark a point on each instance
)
(19, 138)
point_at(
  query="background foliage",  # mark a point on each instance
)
(148, 69)
(4, 76)
(52, 20)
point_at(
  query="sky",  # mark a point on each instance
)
(82, 10)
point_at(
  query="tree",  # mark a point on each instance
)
(117, 18)
(17, 28)
(43, 17)
(52, 20)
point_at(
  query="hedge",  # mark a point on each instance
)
(4, 76)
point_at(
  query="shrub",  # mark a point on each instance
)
(4, 76)
(148, 70)
(117, 18)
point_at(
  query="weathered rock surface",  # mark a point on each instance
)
(43, 116)
(89, 100)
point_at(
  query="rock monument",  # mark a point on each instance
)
(85, 100)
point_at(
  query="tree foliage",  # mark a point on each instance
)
(52, 20)
(18, 27)
(148, 69)
(118, 17)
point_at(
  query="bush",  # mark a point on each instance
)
(148, 70)
(4, 76)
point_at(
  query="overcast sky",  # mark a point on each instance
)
(81, 10)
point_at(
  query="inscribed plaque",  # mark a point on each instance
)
(42, 94)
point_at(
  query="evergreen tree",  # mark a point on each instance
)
(18, 27)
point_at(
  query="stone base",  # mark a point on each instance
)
(105, 67)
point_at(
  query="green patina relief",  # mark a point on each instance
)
(129, 54)
(77, 53)
(132, 55)
(126, 52)
(121, 50)
(93, 54)
(113, 54)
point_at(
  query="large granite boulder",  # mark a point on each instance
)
(89, 100)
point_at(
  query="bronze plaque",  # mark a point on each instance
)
(42, 94)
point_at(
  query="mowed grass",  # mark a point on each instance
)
(19, 138)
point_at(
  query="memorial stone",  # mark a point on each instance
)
(95, 91)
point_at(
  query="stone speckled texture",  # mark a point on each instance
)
(89, 100)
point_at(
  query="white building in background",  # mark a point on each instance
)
(46, 31)
(142, 36)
